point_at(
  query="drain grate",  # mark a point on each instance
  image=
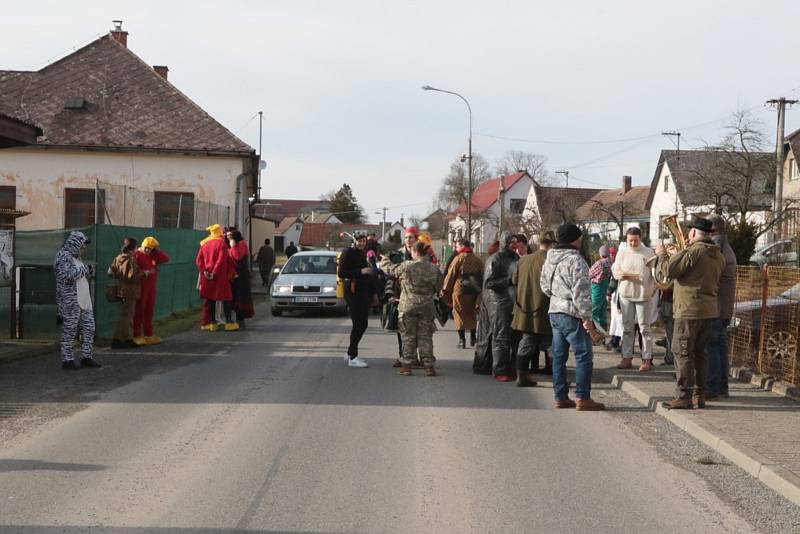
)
(11, 409)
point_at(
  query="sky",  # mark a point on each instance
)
(590, 85)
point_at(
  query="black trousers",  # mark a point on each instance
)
(227, 307)
(529, 348)
(358, 306)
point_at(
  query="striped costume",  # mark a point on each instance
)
(73, 298)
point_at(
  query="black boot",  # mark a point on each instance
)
(462, 342)
(472, 338)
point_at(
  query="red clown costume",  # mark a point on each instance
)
(149, 256)
(216, 269)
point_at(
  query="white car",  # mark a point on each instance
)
(307, 282)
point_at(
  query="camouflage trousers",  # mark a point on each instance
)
(416, 333)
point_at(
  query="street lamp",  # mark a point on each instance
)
(469, 156)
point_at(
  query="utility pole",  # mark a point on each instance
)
(566, 174)
(777, 209)
(260, 157)
(383, 225)
(678, 143)
(501, 199)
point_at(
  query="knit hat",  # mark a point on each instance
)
(411, 230)
(150, 242)
(568, 232)
(604, 252)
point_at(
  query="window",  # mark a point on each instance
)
(297, 227)
(8, 197)
(79, 208)
(517, 205)
(666, 184)
(173, 210)
(794, 173)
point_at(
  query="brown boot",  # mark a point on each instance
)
(405, 371)
(678, 404)
(566, 403)
(699, 401)
(589, 405)
(626, 363)
(430, 371)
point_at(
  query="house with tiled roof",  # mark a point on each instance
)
(791, 182)
(612, 211)
(121, 144)
(277, 209)
(510, 192)
(696, 182)
(329, 236)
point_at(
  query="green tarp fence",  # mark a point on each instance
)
(36, 250)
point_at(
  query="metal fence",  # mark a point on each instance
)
(123, 205)
(765, 330)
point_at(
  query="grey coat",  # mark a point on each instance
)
(565, 279)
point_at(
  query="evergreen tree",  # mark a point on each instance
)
(345, 205)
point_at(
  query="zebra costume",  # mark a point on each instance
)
(73, 297)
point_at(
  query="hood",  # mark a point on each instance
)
(556, 255)
(306, 280)
(75, 242)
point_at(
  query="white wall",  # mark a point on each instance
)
(664, 203)
(41, 176)
(293, 234)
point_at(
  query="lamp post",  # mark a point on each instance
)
(469, 156)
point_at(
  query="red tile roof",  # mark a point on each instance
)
(320, 235)
(486, 194)
(285, 224)
(125, 104)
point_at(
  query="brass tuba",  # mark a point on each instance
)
(679, 243)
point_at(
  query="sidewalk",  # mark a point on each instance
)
(755, 429)
(12, 350)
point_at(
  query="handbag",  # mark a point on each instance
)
(112, 293)
(441, 310)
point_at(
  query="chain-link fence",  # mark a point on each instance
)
(766, 326)
(127, 206)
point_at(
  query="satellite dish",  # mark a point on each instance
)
(262, 164)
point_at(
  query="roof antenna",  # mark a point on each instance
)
(117, 25)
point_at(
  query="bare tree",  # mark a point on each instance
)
(615, 211)
(738, 182)
(453, 190)
(517, 160)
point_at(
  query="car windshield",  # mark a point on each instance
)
(308, 264)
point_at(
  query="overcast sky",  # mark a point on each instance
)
(339, 81)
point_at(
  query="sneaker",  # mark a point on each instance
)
(90, 362)
(70, 365)
(140, 340)
(589, 405)
(231, 327)
(357, 362)
(152, 340)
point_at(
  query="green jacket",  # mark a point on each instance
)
(695, 272)
(531, 305)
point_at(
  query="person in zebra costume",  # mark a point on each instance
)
(74, 302)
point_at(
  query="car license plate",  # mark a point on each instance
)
(305, 299)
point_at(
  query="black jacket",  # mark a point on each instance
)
(351, 262)
(498, 274)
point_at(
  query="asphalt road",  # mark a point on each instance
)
(269, 431)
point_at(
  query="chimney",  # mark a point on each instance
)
(161, 70)
(118, 35)
(626, 184)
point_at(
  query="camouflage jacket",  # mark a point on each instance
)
(420, 281)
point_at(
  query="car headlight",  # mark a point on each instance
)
(329, 289)
(282, 289)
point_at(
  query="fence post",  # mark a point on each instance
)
(762, 327)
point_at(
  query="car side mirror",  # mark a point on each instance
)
(276, 270)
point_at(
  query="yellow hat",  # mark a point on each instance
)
(150, 242)
(215, 230)
(425, 238)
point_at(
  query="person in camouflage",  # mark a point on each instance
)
(420, 281)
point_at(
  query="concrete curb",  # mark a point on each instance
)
(784, 389)
(781, 480)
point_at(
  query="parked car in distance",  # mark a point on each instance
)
(782, 313)
(782, 252)
(307, 282)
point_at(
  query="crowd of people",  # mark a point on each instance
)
(531, 303)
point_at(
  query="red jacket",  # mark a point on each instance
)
(150, 262)
(239, 251)
(213, 258)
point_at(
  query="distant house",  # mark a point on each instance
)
(321, 217)
(121, 144)
(437, 224)
(791, 183)
(513, 190)
(276, 209)
(609, 213)
(547, 207)
(288, 231)
(329, 236)
(696, 182)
